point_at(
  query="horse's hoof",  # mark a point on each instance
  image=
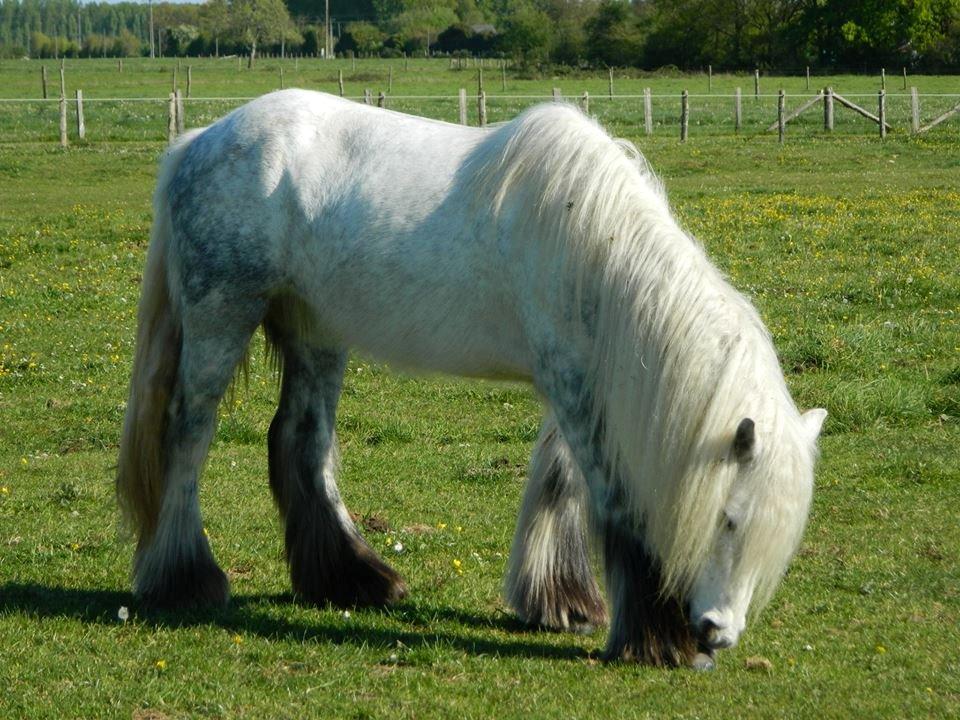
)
(703, 662)
(581, 613)
(196, 587)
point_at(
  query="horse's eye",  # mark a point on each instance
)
(731, 524)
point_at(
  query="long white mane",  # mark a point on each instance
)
(681, 357)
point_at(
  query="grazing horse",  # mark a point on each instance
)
(541, 250)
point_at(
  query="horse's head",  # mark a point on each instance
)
(758, 529)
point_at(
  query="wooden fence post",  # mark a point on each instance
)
(781, 102)
(585, 102)
(482, 109)
(557, 97)
(503, 76)
(756, 84)
(381, 100)
(479, 80)
(709, 78)
(340, 81)
(808, 77)
(914, 111)
(647, 112)
(390, 79)
(367, 97)
(737, 110)
(179, 112)
(828, 110)
(883, 78)
(63, 81)
(189, 80)
(610, 82)
(882, 112)
(904, 77)
(281, 77)
(43, 80)
(684, 115)
(463, 106)
(120, 65)
(172, 118)
(63, 121)
(174, 88)
(81, 127)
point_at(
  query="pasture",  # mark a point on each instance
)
(848, 246)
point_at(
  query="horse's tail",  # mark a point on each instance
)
(140, 467)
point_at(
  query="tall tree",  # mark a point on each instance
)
(215, 20)
(614, 34)
(259, 21)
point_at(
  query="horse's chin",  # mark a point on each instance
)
(704, 660)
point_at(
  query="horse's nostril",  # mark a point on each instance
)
(712, 635)
(708, 627)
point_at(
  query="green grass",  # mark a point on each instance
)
(850, 250)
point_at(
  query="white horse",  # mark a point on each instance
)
(541, 250)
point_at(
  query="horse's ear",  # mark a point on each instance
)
(813, 422)
(745, 441)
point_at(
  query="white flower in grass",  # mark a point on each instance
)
(398, 547)
(123, 614)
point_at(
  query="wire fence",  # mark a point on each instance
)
(129, 119)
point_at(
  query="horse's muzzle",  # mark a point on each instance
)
(712, 636)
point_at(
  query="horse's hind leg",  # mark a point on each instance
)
(174, 566)
(328, 558)
(549, 581)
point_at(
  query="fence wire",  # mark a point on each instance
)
(111, 119)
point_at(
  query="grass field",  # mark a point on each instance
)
(848, 245)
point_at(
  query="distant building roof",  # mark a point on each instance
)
(483, 29)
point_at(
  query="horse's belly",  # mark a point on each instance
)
(429, 321)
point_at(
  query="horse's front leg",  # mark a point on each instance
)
(646, 626)
(550, 582)
(329, 560)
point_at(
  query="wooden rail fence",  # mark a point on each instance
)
(828, 97)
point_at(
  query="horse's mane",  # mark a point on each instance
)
(681, 357)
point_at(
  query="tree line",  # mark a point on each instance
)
(688, 34)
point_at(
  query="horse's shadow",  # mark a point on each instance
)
(256, 615)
